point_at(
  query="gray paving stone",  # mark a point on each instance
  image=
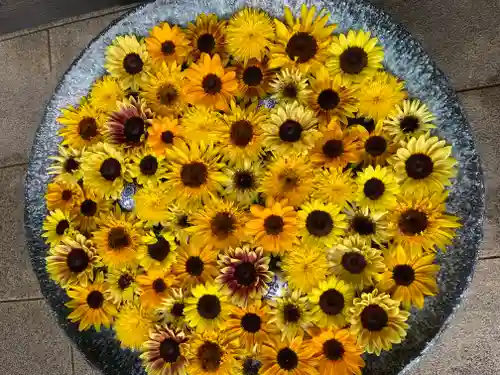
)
(68, 41)
(471, 343)
(482, 110)
(25, 88)
(82, 366)
(17, 279)
(461, 35)
(31, 342)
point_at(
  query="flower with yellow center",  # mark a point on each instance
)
(167, 44)
(81, 126)
(377, 188)
(408, 279)
(90, 305)
(243, 183)
(118, 238)
(122, 285)
(132, 326)
(337, 353)
(165, 351)
(163, 134)
(369, 225)
(377, 322)
(410, 119)
(379, 95)
(146, 167)
(378, 146)
(291, 315)
(290, 85)
(219, 224)
(201, 124)
(158, 251)
(64, 195)
(209, 85)
(320, 224)
(152, 204)
(57, 225)
(419, 223)
(304, 268)
(331, 99)
(354, 57)
(195, 265)
(356, 262)
(302, 42)
(334, 185)
(172, 309)
(208, 308)
(424, 164)
(66, 165)
(290, 129)
(73, 261)
(249, 34)
(254, 78)
(207, 35)
(330, 302)
(289, 177)
(105, 93)
(128, 61)
(274, 227)
(155, 286)
(196, 174)
(286, 357)
(250, 325)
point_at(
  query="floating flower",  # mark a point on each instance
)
(167, 44)
(195, 265)
(105, 93)
(122, 285)
(334, 185)
(66, 165)
(243, 183)
(154, 287)
(304, 268)
(81, 126)
(90, 209)
(207, 35)
(152, 204)
(369, 225)
(132, 326)
(207, 309)
(411, 119)
(377, 188)
(158, 250)
(57, 225)
(254, 78)
(290, 85)
(378, 146)
(172, 309)
(291, 315)
(146, 167)
(164, 134)
(64, 195)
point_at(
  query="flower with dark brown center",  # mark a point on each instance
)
(252, 76)
(210, 356)
(354, 262)
(133, 129)
(70, 165)
(77, 260)
(367, 123)
(61, 227)
(333, 350)
(290, 131)
(353, 60)
(243, 180)
(301, 47)
(95, 299)
(376, 145)
(363, 225)
(212, 84)
(241, 133)
(148, 165)
(159, 250)
(88, 207)
(419, 166)
(374, 318)
(374, 188)
(290, 91)
(87, 128)
(403, 274)
(291, 313)
(133, 64)
(209, 306)
(319, 223)
(66, 195)
(177, 309)
(409, 124)
(167, 95)
(223, 224)
(413, 222)
(118, 238)
(245, 273)
(251, 322)
(194, 266)
(168, 47)
(333, 148)
(194, 174)
(206, 43)
(110, 169)
(159, 286)
(287, 359)
(125, 281)
(167, 137)
(170, 350)
(328, 99)
(331, 302)
(273, 224)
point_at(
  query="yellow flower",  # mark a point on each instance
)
(290, 129)
(207, 309)
(158, 250)
(163, 134)
(369, 225)
(207, 35)
(290, 85)
(378, 146)
(411, 119)
(90, 305)
(254, 78)
(167, 44)
(334, 185)
(201, 124)
(208, 84)
(132, 326)
(66, 165)
(122, 285)
(274, 227)
(154, 287)
(64, 195)
(304, 268)
(291, 315)
(152, 204)
(57, 225)
(377, 322)
(377, 188)
(128, 61)
(330, 302)
(172, 309)
(145, 167)
(89, 211)
(424, 164)
(337, 353)
(355, 56)
(249, 34)
(195, 265)
(302, 42)
(105, 93)
(243, 183)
